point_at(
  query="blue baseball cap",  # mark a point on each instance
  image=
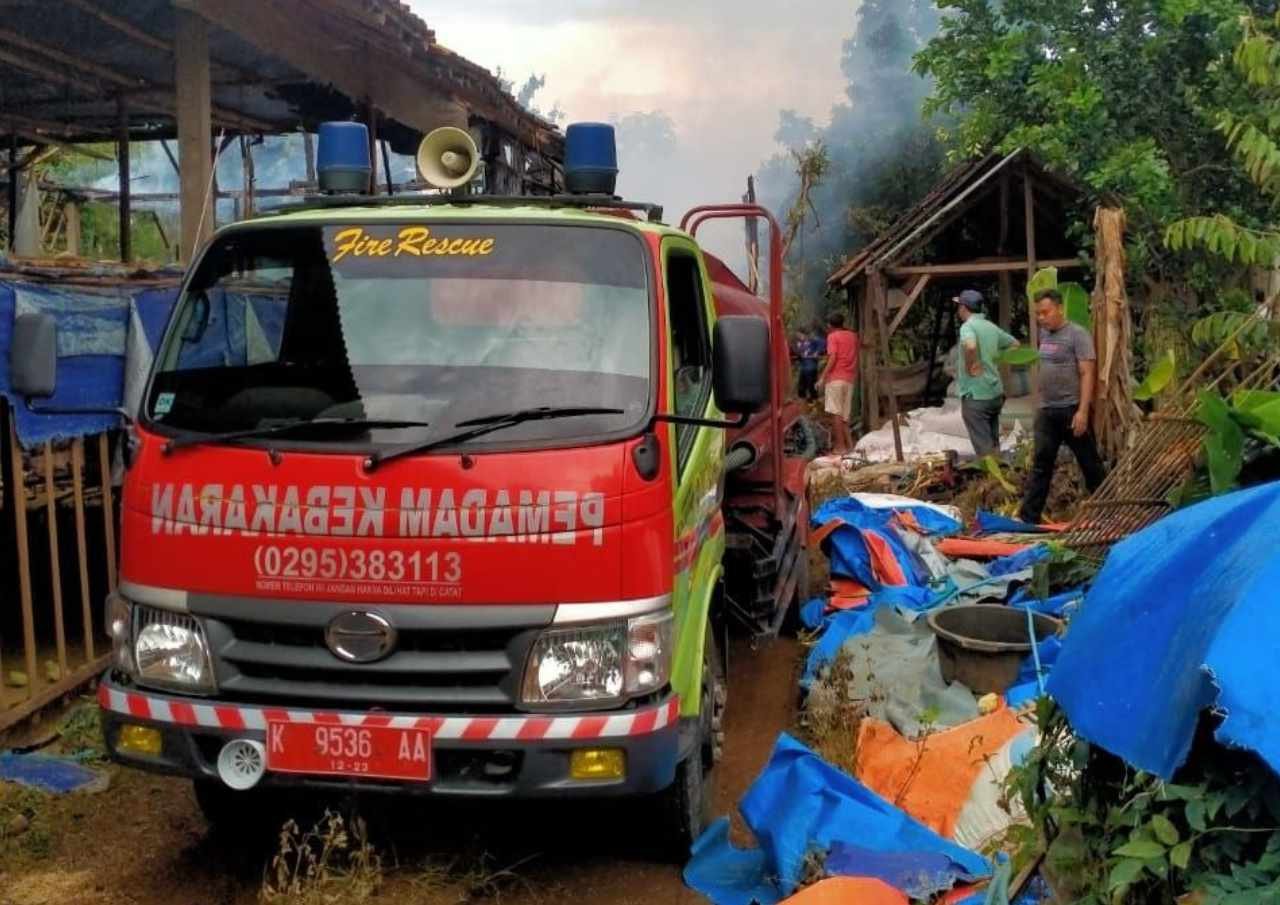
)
(971, 299)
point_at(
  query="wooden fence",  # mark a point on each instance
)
(56, 507)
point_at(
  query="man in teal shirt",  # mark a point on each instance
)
(977, 376)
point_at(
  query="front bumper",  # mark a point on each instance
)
(525, 756)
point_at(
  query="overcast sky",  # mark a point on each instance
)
(721, 69)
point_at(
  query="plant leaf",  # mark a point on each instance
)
(1075, 301)
(1158, 378)
(1224, 442)
(1143, 849)
(1164, 829)
(1019, 356)
(1180, 855)
(1046, 278)
(1196, 813)
(1124, 873)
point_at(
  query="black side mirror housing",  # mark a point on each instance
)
(740, 364)
(33, 356)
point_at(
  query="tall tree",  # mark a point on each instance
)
(1123, 95)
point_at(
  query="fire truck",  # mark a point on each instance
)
(450, 495)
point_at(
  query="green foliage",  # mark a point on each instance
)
(1123, 837)
(1248, 129)
(1126, 97)
(1045, 278)
(1158, 378)
(1018, 357)
(1223, 444)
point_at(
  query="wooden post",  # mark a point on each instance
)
(122, 158)
(55, 567)
(246, 164)
(371, 121)
(71, 213)
(77, 483)
(309, 152)
(869, 356)
(879, 299)
(194, 101)
(1005, 314)
(1033, 331)
(108, 507)
(13, 188)
(386, 167)
(18, 503)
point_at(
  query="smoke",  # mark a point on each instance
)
(883, 156)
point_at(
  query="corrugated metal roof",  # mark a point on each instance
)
(65, 63)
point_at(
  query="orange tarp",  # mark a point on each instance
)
(937, 774)
(972, 548)
(848, 891)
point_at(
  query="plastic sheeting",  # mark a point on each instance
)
(106, 338)
(799, 804)
(880, 539)
(929, 431)
(49, 774)
(894, 668)
(1181, 618)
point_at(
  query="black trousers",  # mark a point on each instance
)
(1053, 428)
(808, 388)
(982, 421)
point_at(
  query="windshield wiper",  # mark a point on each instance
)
(487, 424)
(254, 433)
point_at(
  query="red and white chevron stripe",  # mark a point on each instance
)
(232, 717)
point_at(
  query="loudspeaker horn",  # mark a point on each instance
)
(448, 157)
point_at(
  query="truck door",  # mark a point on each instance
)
(697, 461)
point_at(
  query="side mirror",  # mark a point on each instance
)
(740, 364)
(33, 356)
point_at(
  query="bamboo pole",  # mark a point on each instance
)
(108, 508)
(55, 567)
(77, 480)
(18, 503)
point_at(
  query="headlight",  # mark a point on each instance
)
(170, 651)
(600, 664)
(648, 652)
(119, 623)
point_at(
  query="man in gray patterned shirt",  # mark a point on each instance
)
(1068, 372)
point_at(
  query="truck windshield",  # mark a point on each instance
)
(440, 323)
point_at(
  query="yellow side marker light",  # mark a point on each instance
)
(140, 740)
(598, 763)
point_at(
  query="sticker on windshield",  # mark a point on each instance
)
(164, 403)
(413, 241)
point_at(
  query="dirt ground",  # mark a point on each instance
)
(144, 841)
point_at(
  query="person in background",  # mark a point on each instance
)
(978, 381)
(837, 379)
(1068, 370)
(809, 356)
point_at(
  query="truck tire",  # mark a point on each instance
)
(684, 807)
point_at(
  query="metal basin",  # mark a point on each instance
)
(983, 645)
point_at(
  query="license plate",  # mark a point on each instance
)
(375, 752)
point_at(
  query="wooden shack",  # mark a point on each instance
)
(989, 224)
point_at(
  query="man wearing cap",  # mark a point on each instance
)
(978, 381)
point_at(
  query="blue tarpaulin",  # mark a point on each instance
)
(869, 520)
(800, 804)
(990, 523)
(50, 774)
(103, 335)
(1182, 617)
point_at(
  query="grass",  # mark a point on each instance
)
(80, 733)
(34, 840)
(830, 719)
(326, 865)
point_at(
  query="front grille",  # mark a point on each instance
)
(432, 670)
